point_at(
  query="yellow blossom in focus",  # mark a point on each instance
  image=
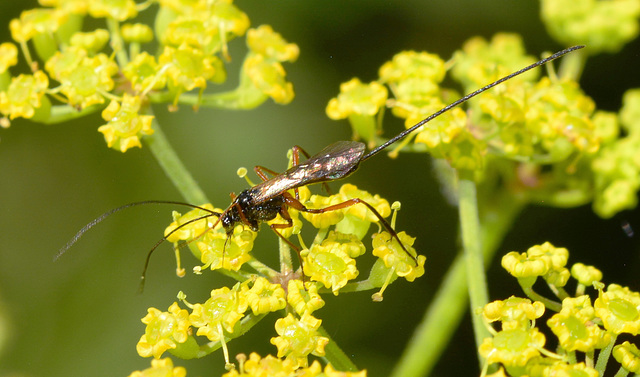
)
(619, 309)
(585, 275)
(298, 338)
(24, 95)
(125, 125)
(329, 264)
(161, 368)
(268, 366)
(220, 312)
(628, 356)
(265, 297)
(513, 312)
(394, 257)
(325, 219)
(217, 250)
(164, 330)
(188, 68)
(381, 205)
(303, 297)
(513, 347)
(575, 327)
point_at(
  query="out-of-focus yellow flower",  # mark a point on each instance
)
(412, 64)
(585, 275)
(125, 125)
(8, 56)
(357, 98)
(120, 10)
(92, 41)
(36, 21)
(144, 74)
(266, 42)
(24, 96)
(269, 78)
(137, 33)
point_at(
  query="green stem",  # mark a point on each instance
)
(173, 166)
(450, 302)
(472, 245)
(603, 356)
(534, 296)
(335, 355)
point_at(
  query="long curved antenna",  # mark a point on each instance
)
(146, 262)
(406, 132)
(100, 218)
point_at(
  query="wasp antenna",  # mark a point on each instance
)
(146, 262)
(100, 218)
(406, 132)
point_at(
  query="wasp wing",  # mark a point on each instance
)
(335, 161)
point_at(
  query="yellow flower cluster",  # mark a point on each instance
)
(106, 69)
(579, 325)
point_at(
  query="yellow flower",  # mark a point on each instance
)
(513, 312)
(164, 330)
(303, 297)
(25, 95)
(258, 366)
(329, 264)
(119, 10)
(269, 78)
(36, 21)
(357, 98)
(188, 68)
(8, 56)
(78, 7)
(619, 309)
(395, 258)
(264, 41)
(125, 125)
(298, 338)
(163, 367)
(194, 228)
(347, 242)
(265, 297)
(143, 72)
(137, 33)
(221, 312)
(92, 41)
(360, 211)
(84, 83)
(217, 250)
(575, 328)
(513, 347)
(585, 275)
(544, 367)
(412, 64)
(191, 31)
(325, 219)
(628, 356)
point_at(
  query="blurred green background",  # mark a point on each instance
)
(81, 315)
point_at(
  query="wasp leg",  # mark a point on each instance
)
(293, 203)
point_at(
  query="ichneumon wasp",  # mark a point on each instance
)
(264, 201)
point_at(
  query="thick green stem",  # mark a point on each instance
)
(472, 245)
(173, 167)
